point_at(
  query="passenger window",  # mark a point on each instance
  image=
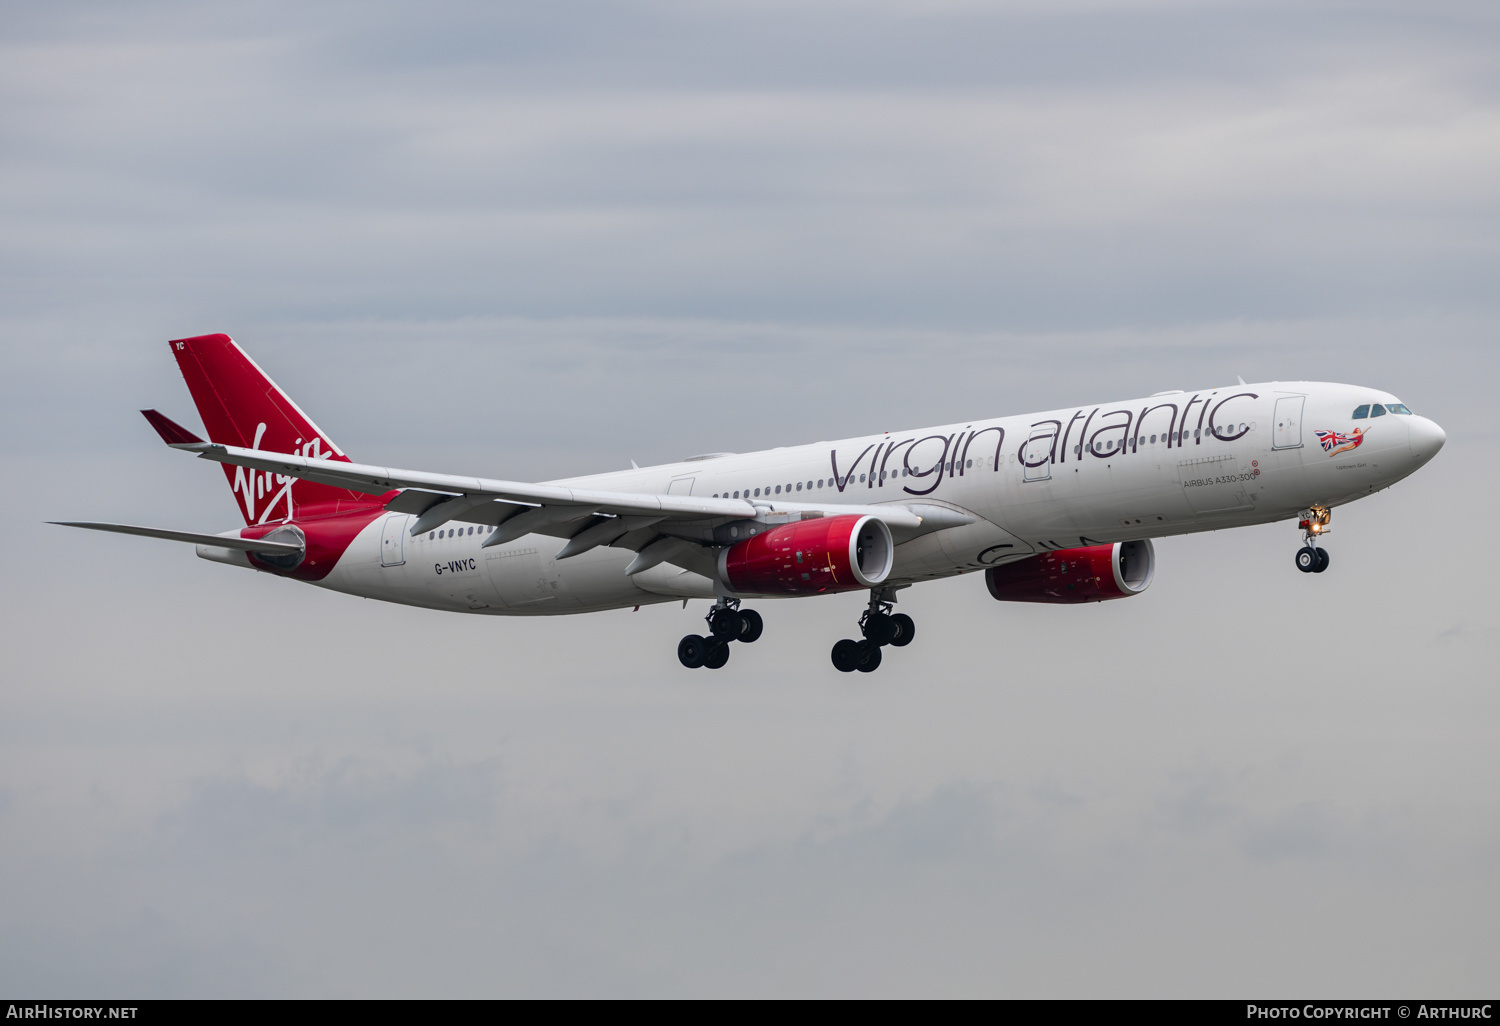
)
(778, 489)
(429, 536)
(820, 482)
(1361, 412)
(1377, 410)
(757, 491)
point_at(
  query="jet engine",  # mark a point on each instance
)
(1090, 574)
(807, 557)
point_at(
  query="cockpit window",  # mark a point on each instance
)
(1361, 412)
(1377, 410)
(1398, 408)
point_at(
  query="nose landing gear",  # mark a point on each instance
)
(726, 623)
(880, 627)
(1314, 523)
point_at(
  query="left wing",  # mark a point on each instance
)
(660, 528)
(373, 480)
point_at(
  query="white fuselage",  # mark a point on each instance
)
(1170, 464)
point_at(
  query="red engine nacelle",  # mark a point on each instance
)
(807, 557)
(1090, 574)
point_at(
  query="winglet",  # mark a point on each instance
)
(171, 432)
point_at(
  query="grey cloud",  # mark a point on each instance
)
(965, 889)
(352, 797)
(244, 165)
(1303, 831)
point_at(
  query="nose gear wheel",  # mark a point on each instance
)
(1314, 523)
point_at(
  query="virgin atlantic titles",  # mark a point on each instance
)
(1057, 507)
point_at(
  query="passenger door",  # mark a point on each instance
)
(1037, 449)
(393, 540)
(1287, 423)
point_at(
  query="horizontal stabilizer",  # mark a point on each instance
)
(222, 541)
(171, 432)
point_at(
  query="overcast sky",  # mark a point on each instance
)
(543, 240)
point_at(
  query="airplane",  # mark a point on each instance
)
(1056, 507)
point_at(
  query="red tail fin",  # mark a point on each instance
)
(241, 406)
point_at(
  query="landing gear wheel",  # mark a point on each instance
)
(692, 651)
(718, 655)
(879, 629)
(750, 625)
(846, 655)
(726, 624)
(869, 657)
(1322, 561)
(1307, 560)
(905, 630)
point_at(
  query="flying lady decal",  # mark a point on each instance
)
(1335, 442)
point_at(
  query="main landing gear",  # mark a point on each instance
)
(1314, 523)
(726, 622)
(880, 627)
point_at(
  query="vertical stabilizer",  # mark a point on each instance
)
(241, 406)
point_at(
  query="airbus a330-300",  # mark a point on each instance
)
(1051, 507)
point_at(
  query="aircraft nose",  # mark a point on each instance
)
(1425, 438)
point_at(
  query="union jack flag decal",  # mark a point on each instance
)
(1335, 442)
